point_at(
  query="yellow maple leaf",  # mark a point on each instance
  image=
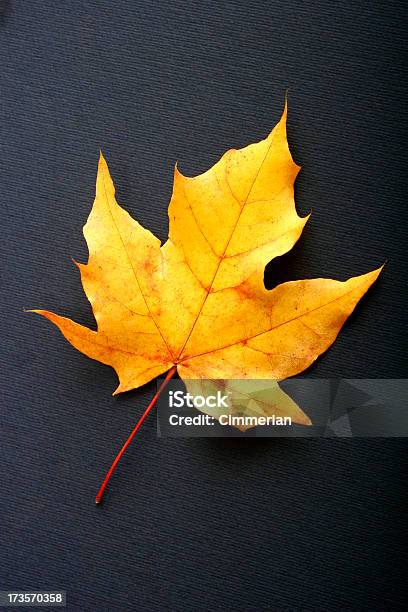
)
(198, 302)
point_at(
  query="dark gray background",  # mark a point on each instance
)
(196, 524)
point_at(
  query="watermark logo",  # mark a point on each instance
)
(180, 399)
(292, 408)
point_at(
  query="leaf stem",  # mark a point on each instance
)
(112, 468)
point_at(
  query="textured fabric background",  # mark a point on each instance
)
(196, 525)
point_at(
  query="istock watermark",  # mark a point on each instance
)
(292, 408)
(220, 400)
(180, 399)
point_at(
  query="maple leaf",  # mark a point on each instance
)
(198, 303)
